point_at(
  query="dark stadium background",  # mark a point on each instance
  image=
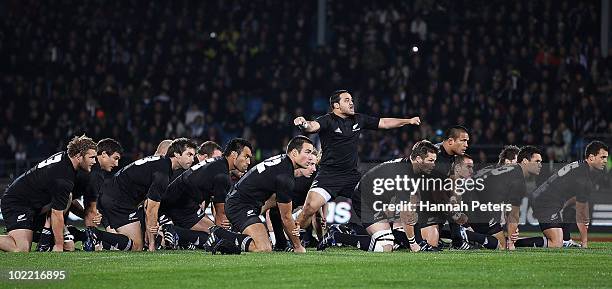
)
(513, 72)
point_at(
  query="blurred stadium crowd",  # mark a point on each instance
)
(513, 72)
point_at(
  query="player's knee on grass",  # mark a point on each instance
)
(133, 232)
(22, 239)
(555, 237)
(431, 234)
(261, 240)
(501, 239)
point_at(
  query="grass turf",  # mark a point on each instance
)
(336, 267)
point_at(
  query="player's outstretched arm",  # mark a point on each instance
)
(57, 225)
(151, 211)
(290, 225)
(307, 126)
(582, 222)
(388, 123)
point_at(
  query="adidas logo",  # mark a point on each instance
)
(21, 218)
(356, 127)
(250, 213)
(338, 130)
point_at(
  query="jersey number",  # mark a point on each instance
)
(268, 163)
(51, 160)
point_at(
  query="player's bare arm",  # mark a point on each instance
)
(151, 209)
(389, 123)
(290, 225)
(582, 222)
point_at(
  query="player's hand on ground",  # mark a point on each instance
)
(415, 120)
(584, 244)
(510, 246)
(299, 250)
(58, 248)
(414, 247)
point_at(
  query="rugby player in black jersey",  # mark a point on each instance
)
(207, 150)
(207, 182)
(368, 205)
(87, 186)
(339, 131)
(503, 184)
(50, 182)
(303, 182)
(455, 144)
(275, 175)
(572, 181)
(144, 180)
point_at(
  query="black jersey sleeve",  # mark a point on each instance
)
(284, 187)
(324, 123)
(517, 191)
(61, 189)
(368, 122)
(221, 185)
(582, 188)
(93, 188)
(158, 186)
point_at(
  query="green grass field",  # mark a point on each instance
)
(334, 268)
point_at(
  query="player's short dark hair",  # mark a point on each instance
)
(335, 97)
(236, 145)
(79, 145)
(179, 145)
(422, 148)
(527, 152)
(297, 142)
(594, 147)
(509, 152)
(208, 148)
(110, 146)
(455, 132)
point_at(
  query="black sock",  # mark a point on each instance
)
(46, 239)
(455, 233)
(486, 241)
(446, 234)
(417, 233)
(243, 240)
(400, 238)
(277, 226)
(78, 234)
(112, 241)
(566, 231)
(359, 229)
(360, 241)
(531, 242)
(190, 237)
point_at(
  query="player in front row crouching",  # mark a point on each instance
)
(381, 236)
(144, 180)
(243, 205)
(573, 181)
(49, 184)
